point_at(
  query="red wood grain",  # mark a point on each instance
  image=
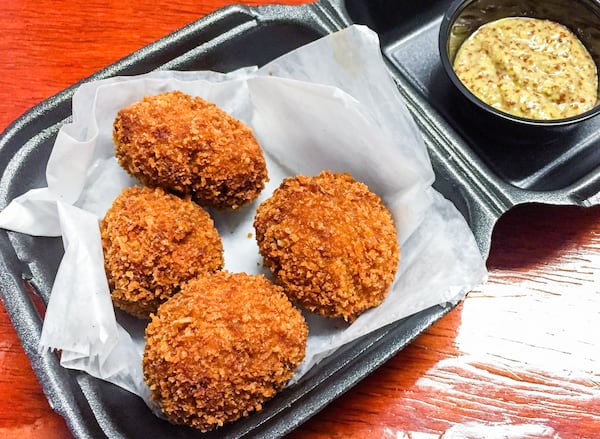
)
(519, 358)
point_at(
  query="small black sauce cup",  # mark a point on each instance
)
(463, 17)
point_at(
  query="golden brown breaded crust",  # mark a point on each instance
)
(190, 146)
(153, 242)
(221, 347)
(330, 242)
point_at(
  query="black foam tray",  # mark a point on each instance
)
(483, 172)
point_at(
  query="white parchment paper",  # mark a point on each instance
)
(328, 105)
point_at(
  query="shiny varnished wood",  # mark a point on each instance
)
(519, 358)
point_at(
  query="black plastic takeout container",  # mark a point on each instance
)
(484, 173)
(464, 17)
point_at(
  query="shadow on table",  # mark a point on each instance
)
(532, 234)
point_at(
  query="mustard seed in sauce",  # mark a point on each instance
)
(531, 68)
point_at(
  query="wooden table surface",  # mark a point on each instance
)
(519, 358)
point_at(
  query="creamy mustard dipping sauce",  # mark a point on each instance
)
(531, 68)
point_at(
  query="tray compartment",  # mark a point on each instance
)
(93, 408)
(549, 161)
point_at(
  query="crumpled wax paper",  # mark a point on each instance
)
(328, 105)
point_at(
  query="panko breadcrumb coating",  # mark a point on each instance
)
(187, 145)
(221, 347)
(153, 242)
(330, 242)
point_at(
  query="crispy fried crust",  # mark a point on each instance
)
(190, 146)
(153, 242)
(221, 347)
(330, 242)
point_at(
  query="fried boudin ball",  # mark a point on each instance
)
(153, 242)
(221, 347)
(330, 242)
(187, 145)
